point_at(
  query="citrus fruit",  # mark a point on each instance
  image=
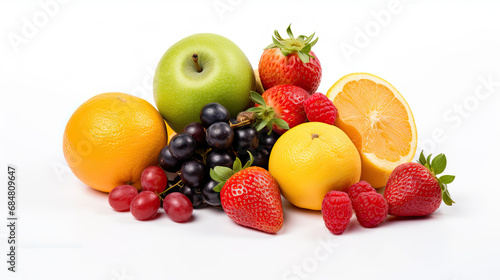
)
(170, 132)
(379, 122)
(111, 138)
(312, 159)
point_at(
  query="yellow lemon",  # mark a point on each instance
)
(312, 159)
(378, 120)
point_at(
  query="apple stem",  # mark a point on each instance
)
(195, 60)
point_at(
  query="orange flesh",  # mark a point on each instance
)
(379, 118)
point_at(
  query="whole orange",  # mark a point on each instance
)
(111, 138)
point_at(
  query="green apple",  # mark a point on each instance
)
(197, 70)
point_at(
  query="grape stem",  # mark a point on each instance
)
(179, 183)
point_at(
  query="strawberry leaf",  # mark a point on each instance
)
(249, 162)
(428, 161)
(253, 109)
(218, 188)
(446, 179)
(236, 165)
(422, 159)
(281, 123)
(289, 32)
(309, 38)
(223, 172)
(261, 124)
(306, 49)
(285, 52)
(271, 46)
(277, 43)
(215, 176)
(301, 45)
(304, 57)
(257, 98)
(277, 35)
(438, 164)
(446, 194)
(314, 42)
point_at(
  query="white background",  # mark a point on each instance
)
(435, 53)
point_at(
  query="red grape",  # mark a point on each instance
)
(154, 179)
(120, 197)
(178, 207)
(145, 205)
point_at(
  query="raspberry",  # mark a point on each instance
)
(337, 211)
(319, 108)
(358, 188)
(371, 209)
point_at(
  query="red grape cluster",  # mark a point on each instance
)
(144, 205)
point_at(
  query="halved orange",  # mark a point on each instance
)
(379, 122)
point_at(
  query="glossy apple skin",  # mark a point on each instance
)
(180, 91)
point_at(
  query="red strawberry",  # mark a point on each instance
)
(320, 108)
(280, 108)
(358, 188)
(250, 196)
(336, 209)
(414, 190)
(371, 209)
(290, 61)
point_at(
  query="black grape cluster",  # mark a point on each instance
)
(216, 141)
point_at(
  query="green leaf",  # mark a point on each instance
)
(446, 194)
(314, 42)
(215, 176)
(271, 46)
(285, 52)
(308, 39)
(289, 31)
(306, 49)
(438, 164)
(277, 35)
(218, 188)
(281, 123)
(422, 159)
(223, 172)
(304, 57)
(261, 124)
(446, 179)
(447, 198)
(301, 38)
(277, 43)
(428, 161)
(253, 109)
(249, 162)
(270, 128)
(236, 165)
(257, 98)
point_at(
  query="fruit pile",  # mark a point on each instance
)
(240, 151)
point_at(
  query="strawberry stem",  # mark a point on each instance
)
(436, 166)
(301, 45)
(264, 115)
(221, 173)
